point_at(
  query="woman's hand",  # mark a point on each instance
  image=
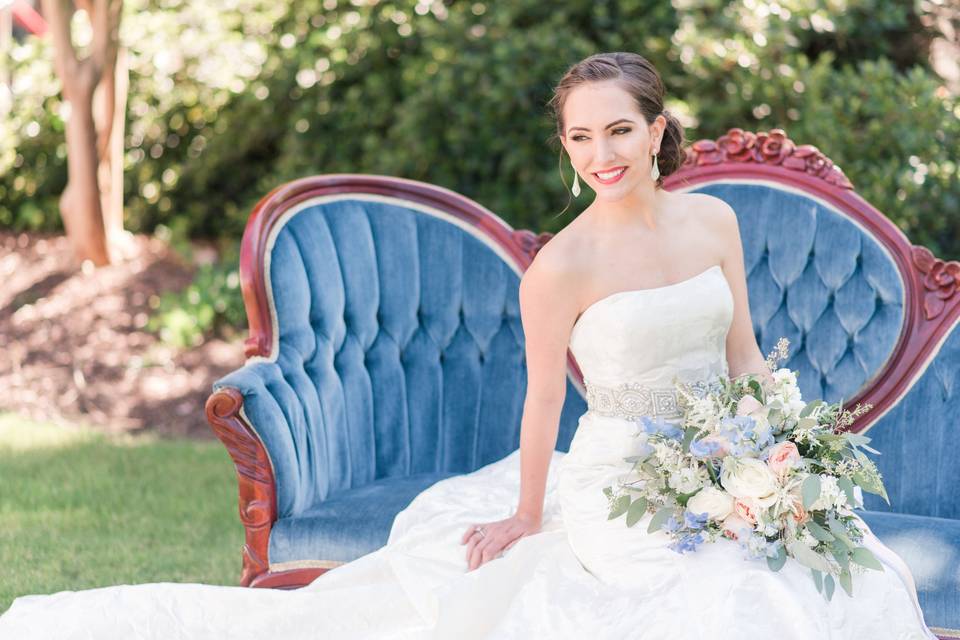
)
(497, 538)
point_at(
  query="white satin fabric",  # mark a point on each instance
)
(581, 576)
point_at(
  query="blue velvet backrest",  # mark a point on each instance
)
(821, 280)
(818, 279)
(400, 349)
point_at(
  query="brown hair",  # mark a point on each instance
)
(638, 77)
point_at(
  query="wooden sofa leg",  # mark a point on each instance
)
(256, 483)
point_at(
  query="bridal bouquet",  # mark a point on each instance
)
(751, 462)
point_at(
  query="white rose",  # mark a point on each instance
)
(717, 504)
(748, 478)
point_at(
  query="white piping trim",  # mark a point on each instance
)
(305, 564)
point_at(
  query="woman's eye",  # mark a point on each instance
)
(624, 129)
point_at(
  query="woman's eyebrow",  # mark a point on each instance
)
(606, 127)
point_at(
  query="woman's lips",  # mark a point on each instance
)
(612, 180)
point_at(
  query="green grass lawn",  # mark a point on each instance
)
(81, 510)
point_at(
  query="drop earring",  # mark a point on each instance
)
(576, 181)
(655, 170)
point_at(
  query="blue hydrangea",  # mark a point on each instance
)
(671, 525)
(693, 520)
(654, 426)
(701, 449)
(687, 542)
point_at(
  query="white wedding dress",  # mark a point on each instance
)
(581, 576)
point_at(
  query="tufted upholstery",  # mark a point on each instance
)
(819, 280)
(398, 361)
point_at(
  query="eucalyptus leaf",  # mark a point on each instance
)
(818, 532)
(619, 507)
(636, 511)
(856, 438)
(810, 489)
(829, 585)
(776, 562)
(840, 552)
(841, 533)
(808, 557)
(659, 518)
(846, 484)
(846, 581)
(817, 579)
(688, 437)
(865, 557)
(810, 407)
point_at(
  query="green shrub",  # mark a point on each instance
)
(454, 93)
(211, 305)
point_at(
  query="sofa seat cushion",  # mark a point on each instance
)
(348, 524)
(931, 548)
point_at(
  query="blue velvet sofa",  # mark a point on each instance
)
(386, 351)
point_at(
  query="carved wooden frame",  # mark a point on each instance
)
(931, 300)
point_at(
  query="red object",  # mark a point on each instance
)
(28, 18)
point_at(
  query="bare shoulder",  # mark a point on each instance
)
(711, 209)
(555, 275)
(554, 263)
(720, 219)
(714, 215)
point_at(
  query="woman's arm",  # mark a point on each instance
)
(548, 311)
(743, 353)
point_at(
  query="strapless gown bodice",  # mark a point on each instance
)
(648, 336)
(580, 576)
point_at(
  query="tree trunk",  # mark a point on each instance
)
(89, 203)
(80, 202)
(110, 121)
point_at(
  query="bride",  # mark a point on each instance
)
(643, 286)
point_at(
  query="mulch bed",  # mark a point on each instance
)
(74, 347)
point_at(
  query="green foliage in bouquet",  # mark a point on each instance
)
(749, 461)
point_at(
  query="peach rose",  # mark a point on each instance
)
(782, 457)
(746, 509)
(747, 405)
(799, 514)
(734, 526)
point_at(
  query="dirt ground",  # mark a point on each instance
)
(74, 347)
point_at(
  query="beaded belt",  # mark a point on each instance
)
(631, 400)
